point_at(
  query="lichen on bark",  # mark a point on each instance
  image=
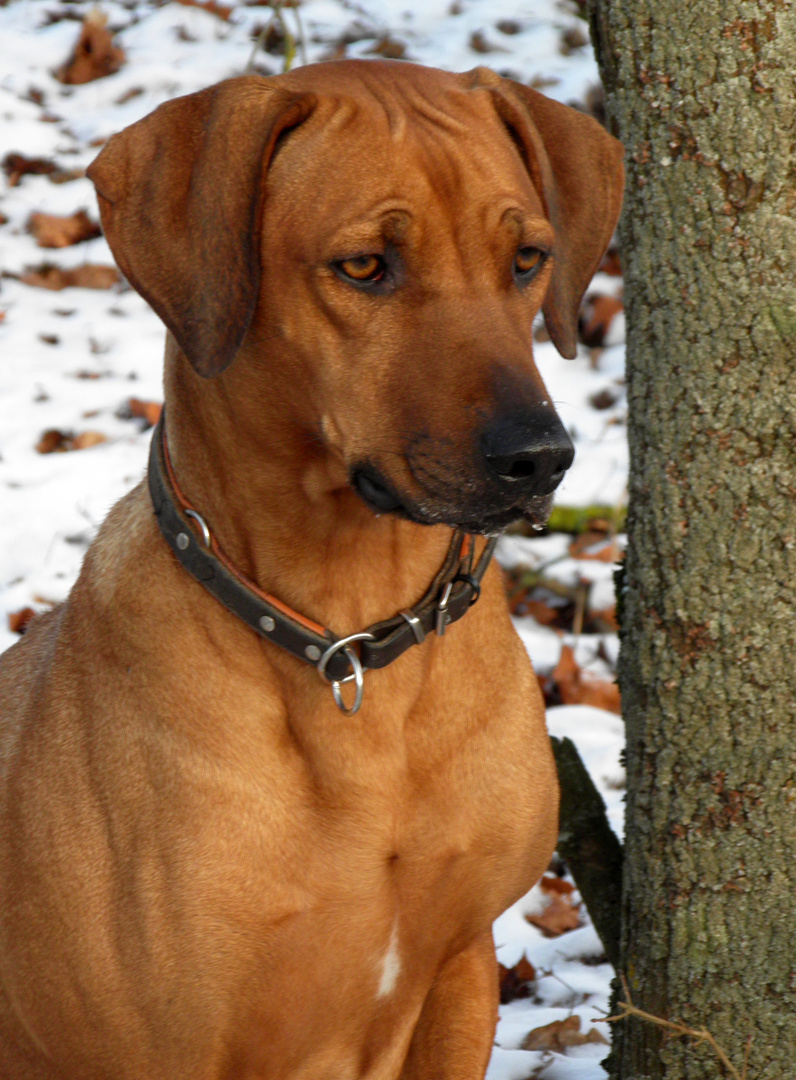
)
(704, 98)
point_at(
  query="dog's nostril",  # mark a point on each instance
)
(531, 451)
(520, 470)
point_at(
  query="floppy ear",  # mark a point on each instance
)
(578, 170)
(180, 195)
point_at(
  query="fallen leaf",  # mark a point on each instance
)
(543, 613)
(145, 410)
(479, 44)
(15, 166)
(604, 620)
(128, 95)
(19, 621)
(562, 912)
(87, 439)
(94, 55)
(56, 231)
(572, 39)
(556, 886)
(54, 441)
(561, 1034)
(388, 47)
(87, 276)
(597, 546)
(611, 264)
(515, 982)
(221, 11)
(603, 399)
(576, 687)
(596, 316)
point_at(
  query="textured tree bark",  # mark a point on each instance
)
(704, 98)
(588, 845)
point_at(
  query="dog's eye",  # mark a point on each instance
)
(527, 261)
(363, 268)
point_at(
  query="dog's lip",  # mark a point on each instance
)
(379, 494)
(488, 523)
(375, 491)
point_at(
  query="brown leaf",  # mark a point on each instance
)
(515, 982)
(577, 688)
(603, 399)
(562, 912)
(561, 1034)
(556, 886)
(611, 264)
(388, 47)
(53, 441)
(596, 316)
(545, 614)
(595, 545)
(222, 11)
(572, 39)
(87, 276)
(55, 231)
(94, 55)
(15, 166)
(128, 95)
(604, 621)
(145, 410)
(87, 439)
(19, 621)
(479, 44)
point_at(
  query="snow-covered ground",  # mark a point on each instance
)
(70, 360)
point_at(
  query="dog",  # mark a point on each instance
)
(275, 766)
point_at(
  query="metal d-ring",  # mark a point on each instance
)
(357, 676)
(202, 524)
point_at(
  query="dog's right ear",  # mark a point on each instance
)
(180, 195)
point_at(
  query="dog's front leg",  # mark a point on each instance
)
(454, 1035)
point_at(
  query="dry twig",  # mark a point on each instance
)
(699, 1035)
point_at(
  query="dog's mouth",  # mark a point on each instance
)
(485, 516)
(371, 486)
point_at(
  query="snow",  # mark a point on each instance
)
(71, 359)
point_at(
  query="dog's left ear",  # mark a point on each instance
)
(181, 197)
(578, 170)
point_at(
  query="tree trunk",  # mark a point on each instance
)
(704, 99)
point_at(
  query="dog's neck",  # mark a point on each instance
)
(279, 503)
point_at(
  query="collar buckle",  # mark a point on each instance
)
(443, 615)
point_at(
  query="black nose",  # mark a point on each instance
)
(530, 451)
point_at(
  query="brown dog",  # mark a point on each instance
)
(207, 870)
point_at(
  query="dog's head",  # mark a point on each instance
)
(374, 240)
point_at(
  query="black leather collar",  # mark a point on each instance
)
(455, 587)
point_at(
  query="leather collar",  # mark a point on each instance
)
(454, 588)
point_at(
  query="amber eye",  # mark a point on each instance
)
(363, 268)
(527, 260)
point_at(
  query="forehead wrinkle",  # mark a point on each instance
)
(392, 110)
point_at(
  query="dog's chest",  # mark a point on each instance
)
(408, 848)
(360, 897)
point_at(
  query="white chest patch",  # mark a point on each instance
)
(390, 965)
